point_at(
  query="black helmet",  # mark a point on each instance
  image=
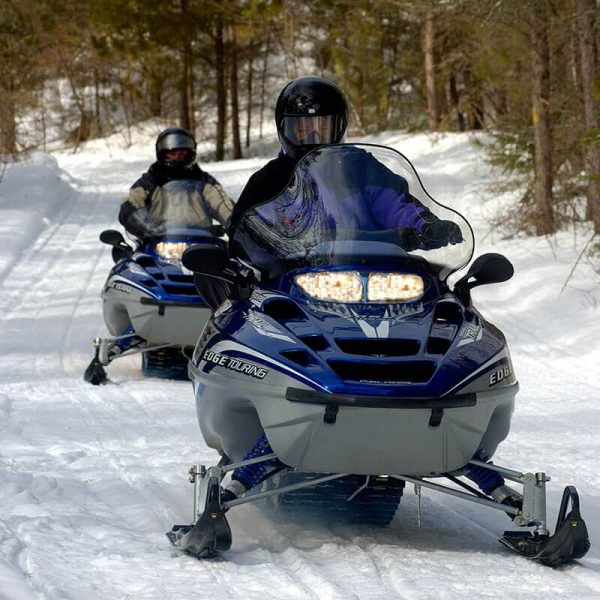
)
(310, 111)
(176, 138)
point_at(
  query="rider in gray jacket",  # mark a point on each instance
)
(144, 211)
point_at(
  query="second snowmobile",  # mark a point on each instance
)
(150, 303)
(340, 364)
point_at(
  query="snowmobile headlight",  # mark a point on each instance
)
(171, 251)
(394, 287)
(332, 286)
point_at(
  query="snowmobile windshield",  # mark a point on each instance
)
(179, 219)
(179, 206)
(353, 204)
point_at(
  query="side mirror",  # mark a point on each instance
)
(112, 237)
(205, 259)
(487, 268)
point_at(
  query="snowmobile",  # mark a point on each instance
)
(150, 303)
(341, 364)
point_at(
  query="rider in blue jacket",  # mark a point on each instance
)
(311, 112)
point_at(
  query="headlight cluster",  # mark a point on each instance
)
(348, 286)
(171, 251)
(400, 287)
(332, 286)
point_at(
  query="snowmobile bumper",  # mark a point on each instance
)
(317, 431)
(166, 321)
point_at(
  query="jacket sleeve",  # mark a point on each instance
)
(218, 203)
(134, 213)
(391, 202)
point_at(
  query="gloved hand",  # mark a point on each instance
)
(143, 225)
(154, 229)
(440, 233)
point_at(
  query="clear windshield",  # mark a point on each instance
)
(180, 205)
(353, 204)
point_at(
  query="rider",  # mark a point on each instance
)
(145, 209)
(149, 205)
(311, 111)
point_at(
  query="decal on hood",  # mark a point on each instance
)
(121, 287)
(469, 333)
(235, 364)
(265, 328)
(499, 375)
(375, 321)
(259, 296)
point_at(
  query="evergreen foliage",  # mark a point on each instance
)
(525, 72)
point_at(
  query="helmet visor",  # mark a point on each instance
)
(306, 130)
(176, 141)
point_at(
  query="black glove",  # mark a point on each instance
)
(142, 225)
(406, 238)
(441, 233)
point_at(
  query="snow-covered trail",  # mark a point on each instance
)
(91, 478)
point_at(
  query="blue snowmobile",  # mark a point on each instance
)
(150, 303)
(340, 364)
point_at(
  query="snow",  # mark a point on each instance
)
(91, 478)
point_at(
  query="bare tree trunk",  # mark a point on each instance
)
(455, 99)
(126, 112)
(430, 79)
(289, 39)
(586, 17)
(8, 123)
(156, 92)
(474, 100)
(43, 123)
(235, 105)
(97, 102)
(542, 132)
(186, 116)
(82, 133)
(221, 90)
(249, 101)
(263, 83)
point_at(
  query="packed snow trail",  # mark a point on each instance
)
(92, 477)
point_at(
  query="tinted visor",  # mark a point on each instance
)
(301, 131)
(174, 141)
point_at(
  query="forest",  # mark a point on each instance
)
(525, 73)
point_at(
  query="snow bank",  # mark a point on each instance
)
(32, 194)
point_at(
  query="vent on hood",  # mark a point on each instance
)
(300, 357)
(378, 347)
(315, 342)
(395, 372)
(189, 279)
(448, 313)
(283, 310)
(438, 345)
(145, 261)
(180, 290)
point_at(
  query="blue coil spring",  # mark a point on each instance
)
(486, 479)
(125, 343)
(251, 475)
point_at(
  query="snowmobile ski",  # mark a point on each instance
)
(570, 540)
(211, 532)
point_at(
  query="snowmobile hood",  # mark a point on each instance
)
(430, 347)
